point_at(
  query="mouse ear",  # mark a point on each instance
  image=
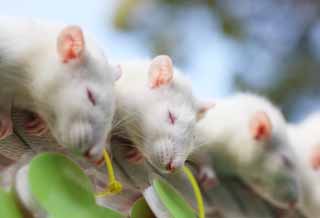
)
(203, 108)
(160, 71)
(70, 43)
(260, 126)
(315, 159)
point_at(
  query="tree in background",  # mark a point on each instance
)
(277, 42)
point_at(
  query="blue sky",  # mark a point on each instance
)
(210, 69)
(93, 15)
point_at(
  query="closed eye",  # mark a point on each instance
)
(91, 97)
(172, 118)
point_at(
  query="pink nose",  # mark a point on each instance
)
(170, 167)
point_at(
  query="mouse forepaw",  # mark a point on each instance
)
(134, 156)
(36, 126)
(207, 178)
(6, 126)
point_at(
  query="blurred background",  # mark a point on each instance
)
(269, 47)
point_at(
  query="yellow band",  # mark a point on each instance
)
(196, 191)
(114, 186)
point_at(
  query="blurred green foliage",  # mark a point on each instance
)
(287, 31)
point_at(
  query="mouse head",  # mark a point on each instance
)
(80, 94)
(270, 169)
(255, 140)
(170, 119)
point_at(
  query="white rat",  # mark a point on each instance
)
(157, 112)
(247, 137)
(59, 73)
(305, 140)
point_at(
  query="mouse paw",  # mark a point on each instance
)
(134, 156)
(94, 157)
(207, 178)
(6, 127)
(36, 126)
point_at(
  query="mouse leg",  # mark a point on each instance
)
(207, 177)
(35, 125)
(133, 155)
(6, 126)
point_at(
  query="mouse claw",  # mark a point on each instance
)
(6, 127)
(207, 178)
(36, 126)
(134, 156)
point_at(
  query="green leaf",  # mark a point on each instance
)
(63, 190)
(141, 209)
(173, 200)
(8, 206)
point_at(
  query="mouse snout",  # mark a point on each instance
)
(95, 153)
(288, 195)
(96, 159)
(170, 167)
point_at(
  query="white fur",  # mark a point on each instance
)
(143, 114)
(304, 138)
(225, 130)
(33, 77)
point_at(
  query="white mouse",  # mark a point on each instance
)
(157, 112)
(305, 141)
(58, 72)
(247, 137)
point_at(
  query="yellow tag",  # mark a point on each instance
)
(196, 190)
(114, 186)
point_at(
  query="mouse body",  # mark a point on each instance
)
(58, 72)
(305, 141)
(246, 137)
(157, 111)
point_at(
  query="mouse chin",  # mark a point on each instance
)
(158, 167)
(287, 201)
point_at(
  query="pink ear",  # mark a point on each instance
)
(204, 107)
(70, 43)
(315, 159)
(260, 126)
(160, 71)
